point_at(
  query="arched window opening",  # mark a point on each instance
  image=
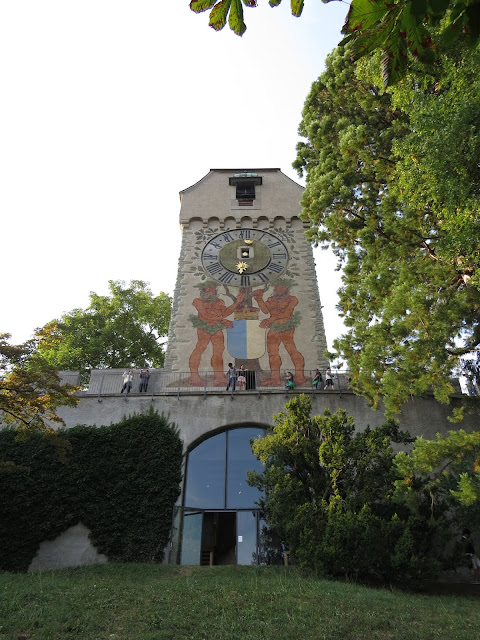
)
(221, 521)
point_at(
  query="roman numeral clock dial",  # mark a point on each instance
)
(244, 257)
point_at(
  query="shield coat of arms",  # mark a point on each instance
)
(247, 339)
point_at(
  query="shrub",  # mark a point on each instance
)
(121, 481)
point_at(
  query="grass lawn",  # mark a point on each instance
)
(150, 602)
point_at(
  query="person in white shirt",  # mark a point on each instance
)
(127, 381)
(328, 379)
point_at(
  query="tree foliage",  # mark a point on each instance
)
(437, 163)
(124, 329)
(329, 495)
(447, 466)
(30, 395)
(408, 30)
(401, 212)
(402, 30)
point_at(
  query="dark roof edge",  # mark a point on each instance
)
(236, 169)
(243, 169)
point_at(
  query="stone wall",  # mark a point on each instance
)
(198, 415)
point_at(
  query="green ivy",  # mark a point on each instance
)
(120, 481)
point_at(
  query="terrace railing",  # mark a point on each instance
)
(108, 382)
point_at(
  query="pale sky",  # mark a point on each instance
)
(109, 108)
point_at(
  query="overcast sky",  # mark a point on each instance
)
(109, 108)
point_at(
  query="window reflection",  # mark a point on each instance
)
(205, 477)
(240, 459)
(227, 455)
(271, 548)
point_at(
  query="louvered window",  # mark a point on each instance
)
(245, 187)
(245, 191)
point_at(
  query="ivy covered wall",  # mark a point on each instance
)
(120, 481)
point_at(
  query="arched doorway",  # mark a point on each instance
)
(221, 521)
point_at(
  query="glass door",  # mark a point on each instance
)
(192, 537)
(247, 543)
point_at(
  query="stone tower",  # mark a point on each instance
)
(246, 288)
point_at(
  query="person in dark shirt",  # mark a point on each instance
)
(144, 378)
(289, 381)
(317, 379)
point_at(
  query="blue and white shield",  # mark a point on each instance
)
(246, 340)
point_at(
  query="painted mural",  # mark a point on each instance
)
(243, 324)
(210, 322)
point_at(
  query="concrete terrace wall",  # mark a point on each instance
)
(198, 415)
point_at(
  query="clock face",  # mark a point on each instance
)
(244, 257)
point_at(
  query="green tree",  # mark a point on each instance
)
(447, 466)
(403, 30)
(329, 495)
(30, 396)
(410, 294)
(124, 329)
(437, 163)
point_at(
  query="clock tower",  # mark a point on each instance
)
(246, 289)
